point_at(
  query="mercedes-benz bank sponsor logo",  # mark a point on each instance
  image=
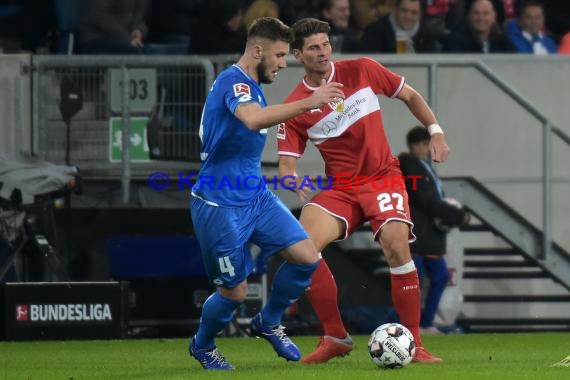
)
(76, 313)
(329, 128)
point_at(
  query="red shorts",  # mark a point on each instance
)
(373, 201)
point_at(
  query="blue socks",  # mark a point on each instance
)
(217, 312)
(289, 283)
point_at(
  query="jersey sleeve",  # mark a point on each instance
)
(291, 140)
(237, 92)
(383, 81)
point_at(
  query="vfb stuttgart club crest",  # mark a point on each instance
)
(337, 105)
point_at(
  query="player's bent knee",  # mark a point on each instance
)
(237, 294)
(394, 237)
(303, 252)
(396, 250)
(396, 247)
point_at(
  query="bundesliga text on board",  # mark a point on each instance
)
(81, 313)
(160, 181)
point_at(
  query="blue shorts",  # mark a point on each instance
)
(225, 234)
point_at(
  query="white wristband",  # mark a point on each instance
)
(434, 128)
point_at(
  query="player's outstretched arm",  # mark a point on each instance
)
(256, 117)
(439, 149)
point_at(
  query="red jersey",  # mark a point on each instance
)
(349, 134)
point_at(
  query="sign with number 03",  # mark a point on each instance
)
(142, 89)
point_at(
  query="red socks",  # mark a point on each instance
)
(323, 296)
(406, 298)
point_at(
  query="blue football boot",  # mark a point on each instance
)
(277, 337)
(209, 359)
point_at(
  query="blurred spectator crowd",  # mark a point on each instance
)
(218, 26)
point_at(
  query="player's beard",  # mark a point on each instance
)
(262, 72)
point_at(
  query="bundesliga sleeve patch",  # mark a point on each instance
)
(281, 131)
(241, 89)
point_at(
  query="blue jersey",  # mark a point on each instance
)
(231, 153)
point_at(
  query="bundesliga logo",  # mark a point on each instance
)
(21, 312)
(63, 312)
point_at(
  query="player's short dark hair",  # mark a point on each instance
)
(417, 134)
(270, 28)
(306, 27)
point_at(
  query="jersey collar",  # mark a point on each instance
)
(312, 88)
(244, 73)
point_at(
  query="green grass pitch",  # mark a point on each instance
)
(470, 356)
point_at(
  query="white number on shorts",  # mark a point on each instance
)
(226, 266)
(385, 201)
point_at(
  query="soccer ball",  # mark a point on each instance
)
(391, 345)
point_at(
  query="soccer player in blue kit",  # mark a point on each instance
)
(231, 206)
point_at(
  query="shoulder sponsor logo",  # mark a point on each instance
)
(281, 131)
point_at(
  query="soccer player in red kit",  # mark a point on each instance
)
(350, 136)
